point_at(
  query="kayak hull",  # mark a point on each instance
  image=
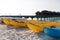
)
(18, 24)
(35, 28)
(6, 21)
(14, 23)
(52, 32)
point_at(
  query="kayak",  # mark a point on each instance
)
(14, 24)
(50, 24)
(17, 24)
(6, 21)
(45, 24)
(35, 28)
(57, 24)
(52, 32)
(39, 26)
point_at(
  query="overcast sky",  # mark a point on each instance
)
(27, 7)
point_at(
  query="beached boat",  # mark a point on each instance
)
(52, 32)
(45, 24)
(6, 21)
(35, 28)
(38, 26)
(17, 24)
(57, 24)
(50, 24)
(14, 23)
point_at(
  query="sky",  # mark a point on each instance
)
(27, 7)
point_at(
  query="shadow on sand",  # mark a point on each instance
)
(17, 29)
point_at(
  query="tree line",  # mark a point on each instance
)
(47, 13)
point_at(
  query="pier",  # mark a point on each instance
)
(44, 15)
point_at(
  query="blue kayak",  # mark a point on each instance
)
(52, 32)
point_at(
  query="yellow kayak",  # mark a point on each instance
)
(36, 22)
(57, 24)
(39, 23)
(17, 24)
(39, 27)
(35, 28)
(50, 24)
(6, 21)
(14, 23)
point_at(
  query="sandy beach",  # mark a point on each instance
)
(7, 33)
